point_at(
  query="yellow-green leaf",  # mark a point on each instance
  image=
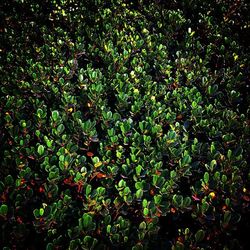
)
(98, 164)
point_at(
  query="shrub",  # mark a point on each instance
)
(124, 125)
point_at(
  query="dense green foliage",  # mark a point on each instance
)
(124, 125)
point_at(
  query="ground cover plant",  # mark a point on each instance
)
(124, 124)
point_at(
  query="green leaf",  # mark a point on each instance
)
(145, 211)
(55, 115)
(143, 225)
(61, 81)
(206, 177)
(41, 211)
(213, 164)
(157, 199)
(95, 160)
(155, 179)
(87, 220)
(108, 229)
(227, 217)
(3, 210)
(173, 174)
(40, 150)
(229, 154)
(9, 180)
(39, 113)
(36, 213)
(73, 245)
(224, 178)
(100, 191)
(87, 239)
(139, 185)
(49, 246)
(121, 183)
(194, 104)
(139, 194)
(80, 77)
(179, 246)
(141, 126)
(128, 199)
(178, 200)
(212, 148)
(186, 202)
(212, 89)
(171, 135)
(126, 191)
(199, 236)
(227, 202)
(60, 128)
(138, 170)
(138, 246)
(88, 189)
(186, 160)
(49, 143)
(204, 206)
(122, 223)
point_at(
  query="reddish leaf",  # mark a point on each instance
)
(90, 154)
(157, 172)
(100, 175)
(31, 157)
(158, 214)
(19, 220)
(148, 220)
(22, 181)
(3, 197)
(79, 188)
(179, 117)
(152, 192)
(246, 198)
(195, 198)
(173, 210)
(68, 180)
